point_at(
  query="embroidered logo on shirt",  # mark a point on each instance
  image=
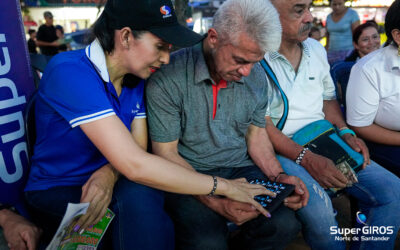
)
(134, 111)
(311, 78)
(166, 11)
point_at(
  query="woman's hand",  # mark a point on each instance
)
(241, 190)
(98, 192)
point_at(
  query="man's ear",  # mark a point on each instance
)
(212, 37)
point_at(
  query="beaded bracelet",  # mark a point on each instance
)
(301, 155)
(215, 185)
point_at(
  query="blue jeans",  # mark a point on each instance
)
(197, 227)
(378, 197)
(140, 221)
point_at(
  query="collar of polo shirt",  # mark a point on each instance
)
(96, 55)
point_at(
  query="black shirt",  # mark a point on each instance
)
(47, 34)
(32, 46)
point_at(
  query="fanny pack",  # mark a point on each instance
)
(321, 137)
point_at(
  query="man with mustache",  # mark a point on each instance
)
(302, 70)
(206, 112)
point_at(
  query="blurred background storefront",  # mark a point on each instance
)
(73, 15)
(77, 15)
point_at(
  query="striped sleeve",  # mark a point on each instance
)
(77, 95)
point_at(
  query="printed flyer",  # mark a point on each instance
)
(65, 237)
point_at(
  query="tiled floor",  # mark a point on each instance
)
(342, 205)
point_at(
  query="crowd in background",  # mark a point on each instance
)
(49, 39)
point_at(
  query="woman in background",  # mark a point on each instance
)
(365, 40)
(340, 25)
(373, 97)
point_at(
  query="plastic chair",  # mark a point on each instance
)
(340, 73)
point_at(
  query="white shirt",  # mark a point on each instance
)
(305, 90)
(373, 91)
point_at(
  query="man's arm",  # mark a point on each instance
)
(234, 211)
(322, 169)
(333, 114)
(262, 153)
(18, 232)
(43, 43)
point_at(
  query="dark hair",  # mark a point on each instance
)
(360, 28)
(102, 30)
(392, 20)
(31, 31)
(60, 28)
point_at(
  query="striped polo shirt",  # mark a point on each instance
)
(76, 89)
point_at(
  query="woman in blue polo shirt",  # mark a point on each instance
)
(87, 102)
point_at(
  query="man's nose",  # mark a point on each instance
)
(245, 69)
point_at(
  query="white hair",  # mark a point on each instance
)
(257, 18)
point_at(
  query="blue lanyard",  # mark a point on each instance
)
(272, 76)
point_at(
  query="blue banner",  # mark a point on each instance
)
(16, 86)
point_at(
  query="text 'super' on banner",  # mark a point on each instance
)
(16, 86)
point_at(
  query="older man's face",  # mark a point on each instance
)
(232, 62)
(296, 19)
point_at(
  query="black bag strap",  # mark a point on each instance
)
(272, 76)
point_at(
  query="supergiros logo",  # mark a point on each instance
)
(166, 11)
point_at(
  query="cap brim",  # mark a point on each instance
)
(177, 35)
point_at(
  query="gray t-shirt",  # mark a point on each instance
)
(180, 106)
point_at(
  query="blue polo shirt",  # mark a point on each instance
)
(76, 89)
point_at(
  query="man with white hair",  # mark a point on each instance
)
(302, 69)
(206, 112)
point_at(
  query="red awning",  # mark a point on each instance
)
(30, 23)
